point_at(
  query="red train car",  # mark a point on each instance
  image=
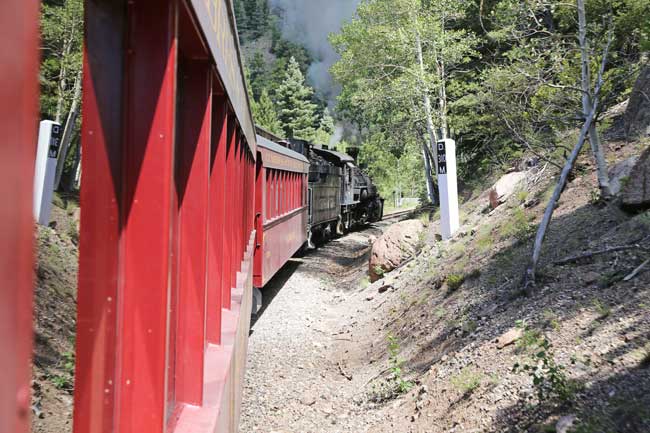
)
(19, 57)
(167, 219)
(281, 207)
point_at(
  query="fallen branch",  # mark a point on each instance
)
(343, 373)
(590, 254)
(637, 271)
(376, 376)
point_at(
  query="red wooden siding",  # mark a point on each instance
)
(18, 118)
(166, 239)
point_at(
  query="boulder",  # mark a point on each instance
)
(394, 247)
(510, 337)
(636, 192)
(619, 174)
(505, 187)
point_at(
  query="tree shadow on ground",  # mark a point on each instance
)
(615, 404)
(491, 301)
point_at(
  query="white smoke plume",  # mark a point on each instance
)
(337, 136)
(309, 22)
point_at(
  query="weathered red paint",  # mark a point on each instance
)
(281, 218)
(193, 181)
(19, 93)
(166, 238)
(216, 219)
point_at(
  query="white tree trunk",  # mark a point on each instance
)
(529, 279)
(594, 138)
(68, 130)
(427, 172)
(73, 182)
(550, 208)
(426, 100)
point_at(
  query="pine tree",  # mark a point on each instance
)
(259, 74)
(296, 111)
(327, 122)
(326, 129)
(240, 19)
(265, 114)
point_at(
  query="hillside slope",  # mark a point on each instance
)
(457, 331)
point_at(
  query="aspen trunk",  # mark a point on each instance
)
(550, 208)
(67, 131)
(594, 138)
(426, 100)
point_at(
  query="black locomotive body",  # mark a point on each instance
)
(341, 196)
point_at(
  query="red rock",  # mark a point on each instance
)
(394, 247)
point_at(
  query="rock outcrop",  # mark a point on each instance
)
(620, 173)
(395, 246)
(636, 192)
(505, 187)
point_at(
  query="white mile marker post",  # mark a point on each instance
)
(448, 186)
(47, 154)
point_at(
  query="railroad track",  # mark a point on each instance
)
(406, 212)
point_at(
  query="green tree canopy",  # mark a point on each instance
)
(265, 114)
(296, 111)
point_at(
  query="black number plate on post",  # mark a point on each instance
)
(442, 158)
(55, 141)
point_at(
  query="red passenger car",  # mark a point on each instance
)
(167, 219)
(281, 207)
(18, 121)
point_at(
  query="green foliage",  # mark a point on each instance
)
(551, 319)
(467, 381)
(517, 226)
(396, 366)
(484, 240)
(384, 85)
(455, 281)
(62, 39)
(549, 377)
(65, 381)
(296, 111)
(603, 310)
(252, 18)
(265, 115)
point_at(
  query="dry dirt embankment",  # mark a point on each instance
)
(55, 314)
(450, 343)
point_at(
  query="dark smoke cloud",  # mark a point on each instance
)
(309, 22)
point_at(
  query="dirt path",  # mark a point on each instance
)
(295, 380)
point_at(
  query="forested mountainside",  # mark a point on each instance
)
(504, 78)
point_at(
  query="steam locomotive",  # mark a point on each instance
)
(341, 196)
(304, 194)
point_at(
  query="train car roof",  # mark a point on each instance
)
(284, 159)
(337, 155)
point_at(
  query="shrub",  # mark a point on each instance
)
(454, 281)
(517, 226)
(467, 381)
(549, 377)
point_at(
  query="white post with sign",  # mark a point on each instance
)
(47, 154)
(448, 186)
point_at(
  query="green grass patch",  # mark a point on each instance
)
(467, 381)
